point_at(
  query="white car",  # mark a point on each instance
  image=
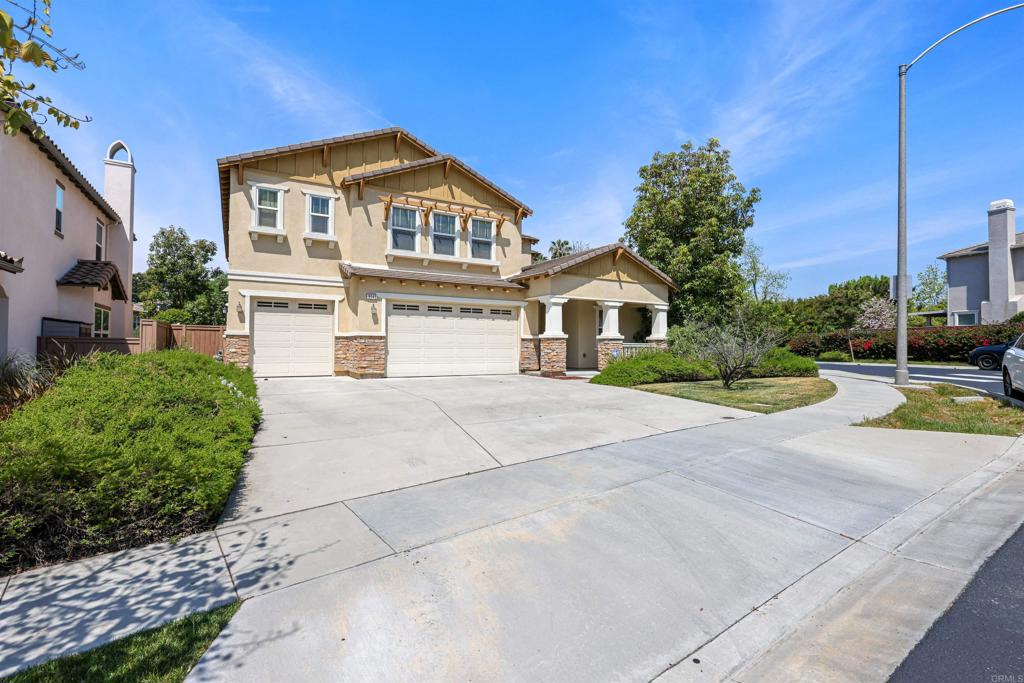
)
(1013, 369)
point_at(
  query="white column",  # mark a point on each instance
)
(610, 321)
(553, 315)
(659, 322)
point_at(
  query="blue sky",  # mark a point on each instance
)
(561, 103)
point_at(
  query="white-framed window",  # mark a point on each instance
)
(444, 233)
(319, 214)
(101, 241)
(405, 307)
(472, 310)
(312, 307)
(439, 309)
(271, 304)
(101, 321)
(268, 202)
(481, 239)
(58, 221)
(404, 228)
(501, 311)
(963, 318)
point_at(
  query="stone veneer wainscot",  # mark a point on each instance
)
(362, 356)
(236, 350)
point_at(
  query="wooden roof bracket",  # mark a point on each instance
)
(362, 187)
(519, 216)
(325, 156)
(465, 220)
(619, 251)
(497, 224)
(398, 141)
(241, 173)
(447, 167)
(426, 214)
(387, 208)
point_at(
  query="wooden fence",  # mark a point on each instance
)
(153, 336)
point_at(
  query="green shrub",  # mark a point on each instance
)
(784, 363)
(1016, 319)
(935, 343)
(649, 368)
(173, 316)
(682, 340)
(836, 356)
(120, 452)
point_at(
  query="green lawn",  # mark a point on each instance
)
(162, 655)
(935, 411)
(767, 395)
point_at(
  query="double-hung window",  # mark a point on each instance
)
(320, 214)
(101, 321)
(444, 237)
(403, 229)
(101, 241)
(268, 208)
(58, 223)
(481, 240)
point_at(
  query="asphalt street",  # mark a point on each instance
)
(973, 378)
(979, 638)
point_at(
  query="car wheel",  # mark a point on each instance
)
(1008, 389)
(987, 361)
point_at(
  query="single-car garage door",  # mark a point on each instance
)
(449, 339)
(292, 338)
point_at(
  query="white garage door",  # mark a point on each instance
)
(449, 339)
(292, 338)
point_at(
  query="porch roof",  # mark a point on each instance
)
(555, 266)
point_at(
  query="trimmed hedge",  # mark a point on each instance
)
(785, 363)
(122, 451)
(649, 368)
(653, 368)
(937, 343)
(837, 356)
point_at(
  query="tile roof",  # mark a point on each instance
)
(553, 266)
(97, 274)
(11, 264)
(530, 238)
(315, 144)
(982, 248)
(48, 147)
(433, 161)
(348, 270)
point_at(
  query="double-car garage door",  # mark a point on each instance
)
(451, 339)
(296, 338)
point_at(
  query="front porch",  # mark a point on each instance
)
(584, 334)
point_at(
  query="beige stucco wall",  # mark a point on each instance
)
(603, 280)
(27, 194)
(237, 320)
(579, 322)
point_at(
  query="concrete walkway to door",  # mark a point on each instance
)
(755, 548)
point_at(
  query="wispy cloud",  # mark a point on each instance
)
(807, 63)
(293, 87)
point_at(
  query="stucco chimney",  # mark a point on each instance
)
(119, 191)
(1002, 233)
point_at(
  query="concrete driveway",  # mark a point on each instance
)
(484, 529)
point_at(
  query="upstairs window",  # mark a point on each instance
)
(444, 236)
(320, 215)
(58, 224)
(482, 239)
(268, 208)
(403, 229)
(101, 241)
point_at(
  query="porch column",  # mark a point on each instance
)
(609, 344)
(659, 325)
(552, 341)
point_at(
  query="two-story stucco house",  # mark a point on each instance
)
(986, 281)
(375, 255)
(65, 249)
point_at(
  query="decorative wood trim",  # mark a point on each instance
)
(519, 216)
(326, 156)
(426, 215)
(398, 140)
(387, 209)
(618, 252)
(447, 168)
(241, 174)
(497, 225)
(465, 220)
(362, 188)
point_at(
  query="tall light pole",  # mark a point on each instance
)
(902, 372)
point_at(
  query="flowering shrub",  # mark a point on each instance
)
(935, 343)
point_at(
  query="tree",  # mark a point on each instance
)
(763, 284)
(836, 310)
(210, 307)
(929, 293)
(689, 219)
(25, 41)
(877, 313)
(734, 346)
(177, 271)
(559, 248)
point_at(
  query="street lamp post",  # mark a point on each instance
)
(902, 371)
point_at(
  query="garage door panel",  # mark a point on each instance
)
(293, 339)
(434, 341)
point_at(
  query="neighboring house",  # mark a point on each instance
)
(65, 268)
(374, 255)
(986, 281)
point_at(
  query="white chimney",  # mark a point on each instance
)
(119, 191)
(1002, 234)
